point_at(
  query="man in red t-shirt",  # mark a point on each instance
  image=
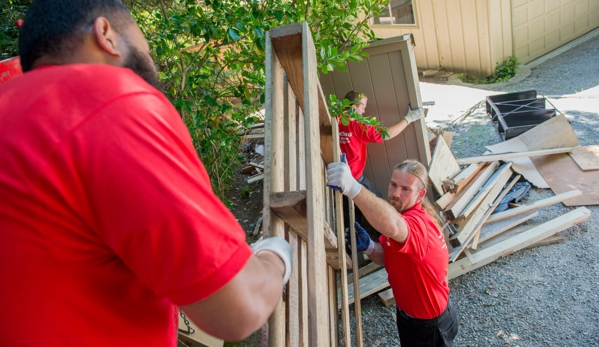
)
(108, 221)
(412, 249)
(354, 137)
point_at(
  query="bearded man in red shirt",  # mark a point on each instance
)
(412, 249)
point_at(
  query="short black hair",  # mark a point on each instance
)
(56, 27)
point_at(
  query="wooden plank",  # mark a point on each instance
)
(563, 174)
(445, 200)
(387, 297)
(293, 294)
(557, 238)
(342, 254)
(466, 230)
(292, 208)
(496, 203)
(463, 198)
(491, 230)
(370, 284)
(304, 297)
(333, 308)
(333, 260)
(255, 178)
(365, 270)
(534, 206)
(513, 244)
(442, 166)
(587, 157)
(447, 136)
(356, 286)
(465, 176)
(507, 156)
(289, 43)
(485, 189)
(317, 291)
(291, 184)
(274, 171)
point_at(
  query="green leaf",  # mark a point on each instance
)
(234, 35)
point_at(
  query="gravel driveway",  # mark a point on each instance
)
(544, 296)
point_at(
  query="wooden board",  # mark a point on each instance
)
(554, 133)
(442, 166)
(533, 206)
(371, 284)
(491, 230)
(463, 198)
(586, 157)
(490, 254)
(509, 156)
(563, 174)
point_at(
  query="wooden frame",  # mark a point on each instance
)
(300, 140)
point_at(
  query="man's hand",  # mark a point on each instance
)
(339, 177)
(414, 115)
(363, 241)
(278, 246)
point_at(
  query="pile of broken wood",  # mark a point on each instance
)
(469, 194)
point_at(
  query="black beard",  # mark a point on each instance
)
(143, 66)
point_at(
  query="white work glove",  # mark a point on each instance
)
(280, 247)
(414, 115)
(339, 177)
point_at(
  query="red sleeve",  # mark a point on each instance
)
(416, 245)
(145, 193)
(366, 133)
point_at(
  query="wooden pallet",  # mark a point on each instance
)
(300, 140)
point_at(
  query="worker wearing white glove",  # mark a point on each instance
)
(340, 177)
(414, 115)
(278, 246)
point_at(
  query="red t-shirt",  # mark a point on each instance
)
(352, 140)
(417, 268)
(108, 220)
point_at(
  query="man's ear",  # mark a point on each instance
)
(421, 194)
(107, 38)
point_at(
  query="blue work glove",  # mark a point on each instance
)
(363, 241)
(339, 177)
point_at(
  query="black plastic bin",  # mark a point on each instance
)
(515, 113)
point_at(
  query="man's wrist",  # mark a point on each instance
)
(370, 248)
(353, 190)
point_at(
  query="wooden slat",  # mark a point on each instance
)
(370, 284)
(305, 296)
(443, 165)
(356, 287)
(342, 254)
(288, 43)
(387, 297)
(464, 177)
(490, 230)
(507, 156)
(291, 184)
(445, 200)
(292, 208)
(586, 157)
(484, 190)
(317, 276)
(463, 198)
(488, 255)
(496, 203)
(467, 229)
(274, 171)
(535, 205)
(333, 307)
(553, 239)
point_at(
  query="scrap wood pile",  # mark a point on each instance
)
(470, 190)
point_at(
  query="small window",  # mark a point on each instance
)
(398, 12)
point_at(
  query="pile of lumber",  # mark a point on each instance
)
(469, 195)
(256, 170)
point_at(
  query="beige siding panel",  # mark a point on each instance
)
(484, 40)
(456, 34)
(429, 34)
(500, 31)
(543, 25)
(443, 37)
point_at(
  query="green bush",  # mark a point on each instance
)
(503, 72)
(10, 12)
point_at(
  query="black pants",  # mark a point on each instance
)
(368, 185)
(436, 332)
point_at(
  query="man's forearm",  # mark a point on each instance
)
(378, 254)
(396, 128)
(381, 215)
